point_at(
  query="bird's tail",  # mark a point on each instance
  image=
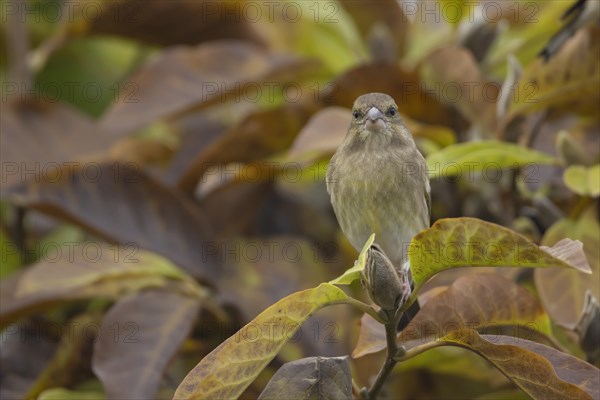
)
(415, 307)
(408, 315)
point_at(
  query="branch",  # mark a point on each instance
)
(390, 361)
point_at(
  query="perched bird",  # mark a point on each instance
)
(378, 183)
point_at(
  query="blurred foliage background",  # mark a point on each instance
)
(163, 170)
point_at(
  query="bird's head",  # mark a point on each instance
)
(375, 118)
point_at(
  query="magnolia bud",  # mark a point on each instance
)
(386, 287)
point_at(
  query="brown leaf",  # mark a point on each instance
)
(541, 371)
(475, 302)
(562, 291)
(404, 86)
(256, 137)
(322, 134)
(459, 82)
(366, 14)
(258, 272)
(146, 329)
(312, 377)
(173, 22)
(182, 78)
(120, 203)
(371, 338)
(39, 138)
(326, 130)
(27, 348)
(198, 130)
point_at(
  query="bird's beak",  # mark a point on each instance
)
(375, 120)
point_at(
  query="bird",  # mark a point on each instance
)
(378, 183)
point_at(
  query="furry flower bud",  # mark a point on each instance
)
(385, 286)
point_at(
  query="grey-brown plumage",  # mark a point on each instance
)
(378, 183)
(378, 180)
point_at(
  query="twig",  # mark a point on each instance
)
(390, 360)
(364, 308)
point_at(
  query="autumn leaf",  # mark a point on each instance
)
(235, 363)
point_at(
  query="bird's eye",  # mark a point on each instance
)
(356, 115)
(391, 112)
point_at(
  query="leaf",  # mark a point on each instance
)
(476, 301)
(371, 338)
(146, 330)
(322, 31)
(532, 24)
(66, 394)
(403, 85)
(266, 270)
(79, 269)
(354, 273)
(367, 14)
(198, 130)
(562, 291)
(40, 138)
(540, 371)
(71, 359)
(582, 180)
(568, 82)
(235, 363)
(312, 377)
(11, 258)
(148, 21)
(321, 135)
(256, 137)
(86, 271)
(198, 76)
(124, 205)
(490, 155)
(89, 72)
(27, 349)
(470, 242)
(326, 130)
(457, 80)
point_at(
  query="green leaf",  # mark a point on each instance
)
(49, 276)
(490, 155)
(311, 378)
(66, 394)
(471, 242)
(354, 273)
(89, 72)
(321, 30)
(10, 259)
(80, 273)
(567, 83)
(540, 371)
(583, 180)
(230, 368)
